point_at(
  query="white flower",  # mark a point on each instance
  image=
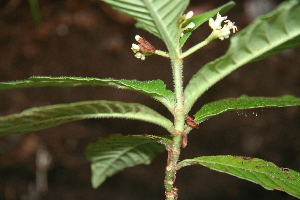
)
(230, 25)
(143, 49)
(140, 56)
(190, 25)
(135, 48)
(222, 32)
(189, 15)
(216, 24)
(184, 18)
(137, 38)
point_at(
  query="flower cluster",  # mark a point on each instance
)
(183, 19)
(143, 49)
(222, 32)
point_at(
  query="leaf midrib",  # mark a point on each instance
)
(161, 27)
(242, 168)
(120, 155)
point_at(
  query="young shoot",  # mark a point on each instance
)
(218, 32)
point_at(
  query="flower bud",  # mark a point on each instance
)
(189, 15)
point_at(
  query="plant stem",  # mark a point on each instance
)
(174, 150)
(35, 11)
(171, 168)
(210, 38)
(179, 116)
(162, 53)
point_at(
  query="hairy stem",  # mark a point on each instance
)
(171, 168)
(174, 150)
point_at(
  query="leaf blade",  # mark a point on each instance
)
(266, 36)
(49, 116)
(242, 103)
(115, 153)
(264, 173)
(155, 89)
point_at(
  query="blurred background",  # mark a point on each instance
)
(87, 38)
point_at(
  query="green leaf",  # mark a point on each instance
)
(155, 89)
(157, 17)
(162, 139)
(242, 103)
(200, 19)
(49, 116)
(264, 173)
(113, 154)
(266, 36)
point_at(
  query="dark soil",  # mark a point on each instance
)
(88, 39)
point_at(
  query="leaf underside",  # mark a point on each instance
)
(266, 36)
(264, 173)
(110, 155)
(34, 119)
(155, 89)
(155, 16)
(244, 102)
